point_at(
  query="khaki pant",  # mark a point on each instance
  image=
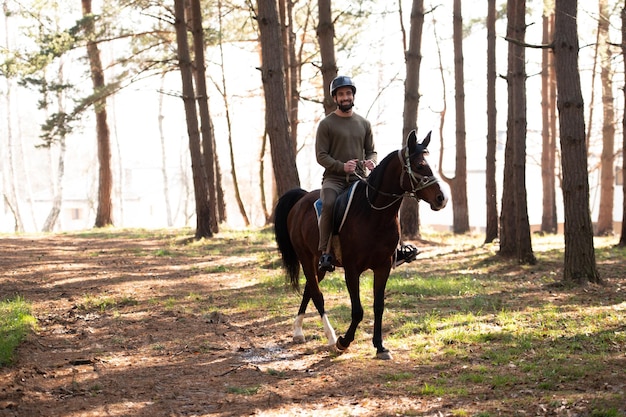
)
(331, 188)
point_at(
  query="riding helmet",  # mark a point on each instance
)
(341, 81)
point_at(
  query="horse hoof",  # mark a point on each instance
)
(385, 355)
(299, 339)
(340, 347)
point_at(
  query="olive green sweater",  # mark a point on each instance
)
(340, 139)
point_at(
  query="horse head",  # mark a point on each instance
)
(421, 182)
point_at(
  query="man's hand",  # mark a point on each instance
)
(369, 164)
(350, 166)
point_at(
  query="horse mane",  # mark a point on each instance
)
(376, 176)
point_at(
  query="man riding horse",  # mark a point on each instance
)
(344, 146)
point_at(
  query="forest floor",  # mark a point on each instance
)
(133, 324)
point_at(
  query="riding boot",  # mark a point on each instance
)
(326, 263)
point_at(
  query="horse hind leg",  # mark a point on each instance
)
(318, 301)
(312, 292)
(298, 333)
(329, 332)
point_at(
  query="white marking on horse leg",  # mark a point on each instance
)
(329, 331)
(298, 335)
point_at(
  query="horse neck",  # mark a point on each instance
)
(388, 192)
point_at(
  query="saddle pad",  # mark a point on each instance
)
(342, 206)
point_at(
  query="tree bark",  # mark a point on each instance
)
(604, 225)
(326, 41)
(491, 230)
(580, 263)
(203, 226)
(206, 124)
(292, 67)
(518, 243)
(622, 239)
(458, 186)
(409, 212)
(276, 121)
(105, 178)
(548, 148)
(524, 246)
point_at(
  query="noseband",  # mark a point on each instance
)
(417, 181)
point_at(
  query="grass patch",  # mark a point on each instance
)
(243, 390)
(92, 302)
(16, 322)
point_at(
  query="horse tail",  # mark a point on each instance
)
(281, 232)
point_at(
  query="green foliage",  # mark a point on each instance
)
(16, 322)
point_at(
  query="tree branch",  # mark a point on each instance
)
(529, 45)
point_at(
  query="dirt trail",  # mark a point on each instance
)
(152, 357)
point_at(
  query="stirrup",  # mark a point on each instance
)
(326, 263)
(406, 253)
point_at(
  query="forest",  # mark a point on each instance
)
(95, 132)
(144, 146)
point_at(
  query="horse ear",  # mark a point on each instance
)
(426, 140)
(412, 139)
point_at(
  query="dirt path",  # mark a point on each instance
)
(131, 325)
(154, 355)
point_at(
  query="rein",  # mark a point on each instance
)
(418, 182)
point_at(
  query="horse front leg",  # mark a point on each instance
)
(352, 283)
(380, 283)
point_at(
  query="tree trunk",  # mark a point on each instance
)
(220, 203)
(326, 41)
(9, 180)
(580, 261)
(292, 67)
(604, 225)
(516, 228)
(276, 122)
(460, 212)
(622, 239)
(203, 207)
(166, 189)
(491, 230)
(553, 117)
(409, 212)
(105, 179)
(224, 92)
(523, 242)
(57, 199)
(508, 225)
(548, 216)
(206, 124)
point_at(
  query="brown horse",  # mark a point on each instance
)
(367, 240)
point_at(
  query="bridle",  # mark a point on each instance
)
(418, 182)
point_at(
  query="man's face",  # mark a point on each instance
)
(344, 98)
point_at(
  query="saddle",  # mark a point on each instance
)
(404, 253)
(341, 208)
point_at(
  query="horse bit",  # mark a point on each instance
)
(418, 182)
